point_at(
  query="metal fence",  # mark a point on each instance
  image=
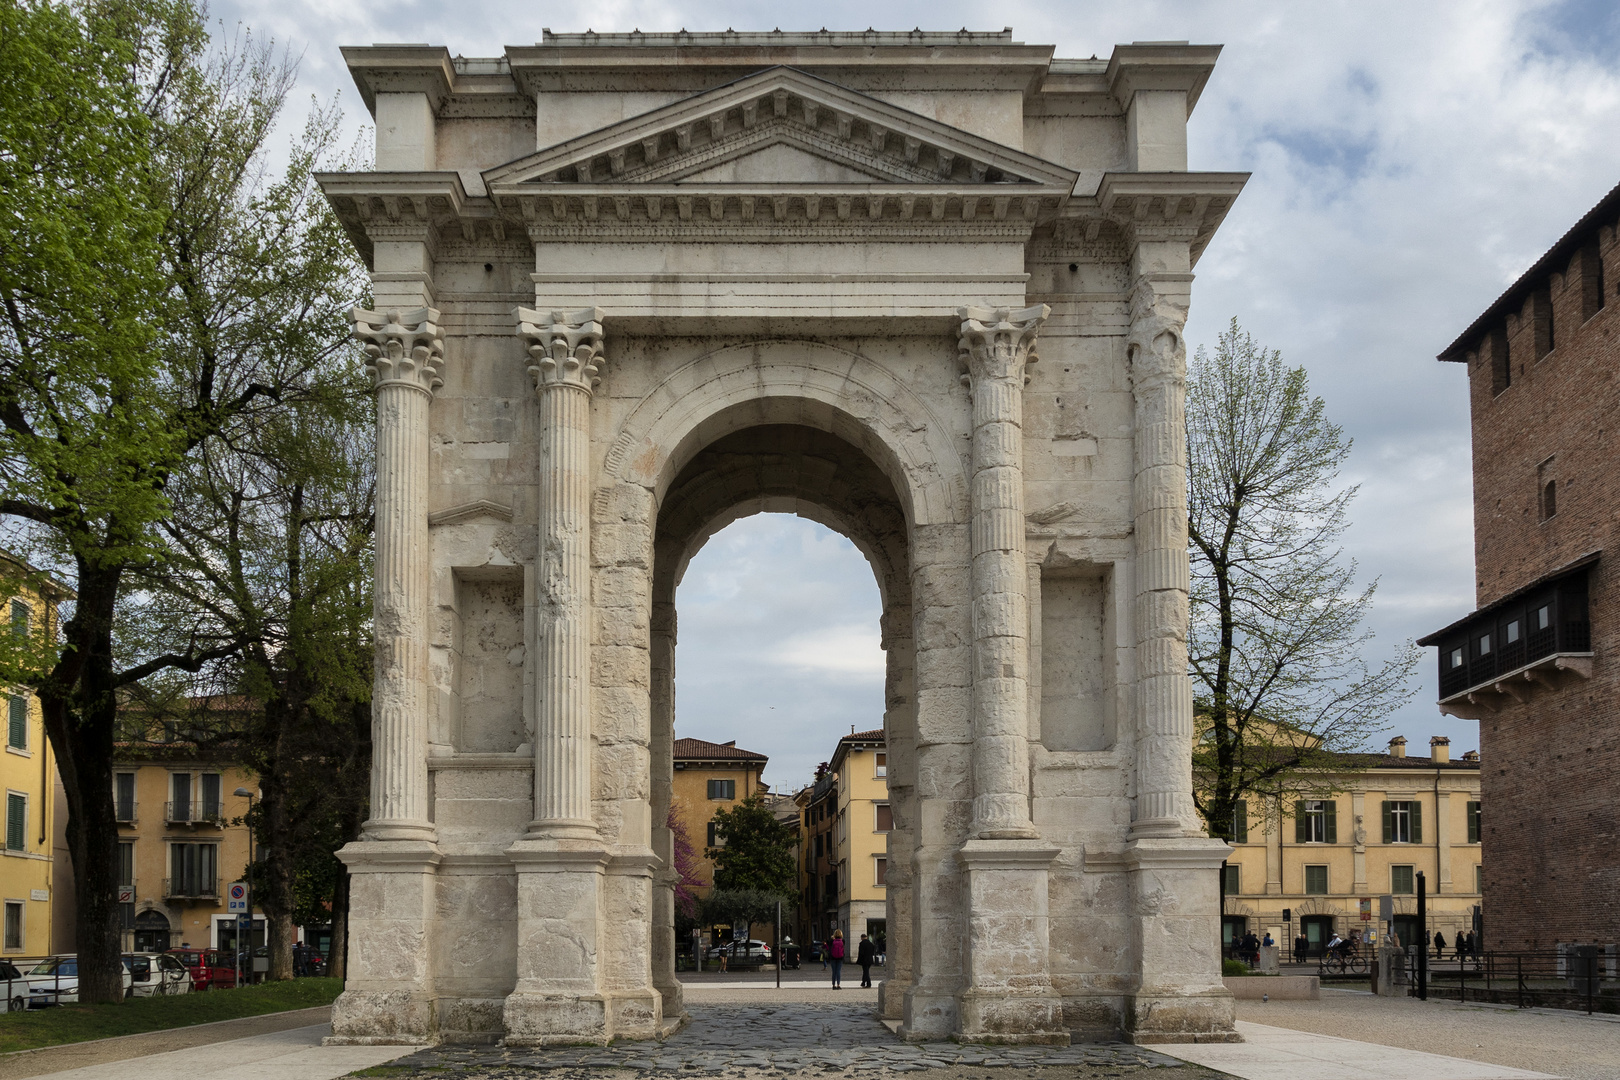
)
(1579, 977)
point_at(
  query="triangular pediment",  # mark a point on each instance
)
(779, 126)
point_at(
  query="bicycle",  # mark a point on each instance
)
(1346, 961)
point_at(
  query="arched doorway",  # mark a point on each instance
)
(791, 468)
(151, 932)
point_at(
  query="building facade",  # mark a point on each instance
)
(631, 287)
(710, 777)
(28, 771)
(1532, 663)
(862, 820)
(1326, 861)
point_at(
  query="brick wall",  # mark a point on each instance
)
(1550, 780)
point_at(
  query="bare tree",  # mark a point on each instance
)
(1277, 642)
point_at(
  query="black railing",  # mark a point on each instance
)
(1581, 977)
(191, 813)
(191, 888)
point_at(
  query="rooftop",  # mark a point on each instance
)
(703, 750)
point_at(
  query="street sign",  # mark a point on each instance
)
(236, 899)
(1366, 908)
(244, 923)
(126, 894)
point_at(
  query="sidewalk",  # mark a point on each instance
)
(1274, 1053)
(294, 1054)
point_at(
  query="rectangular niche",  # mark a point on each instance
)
(1077, 660)
(489, 657)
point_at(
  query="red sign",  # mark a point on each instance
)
(1366, 909)
(126, 894)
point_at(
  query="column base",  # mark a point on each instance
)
(1010, 1019)
(383, 1018)
(1168, 1017)
(555, 1020)
(892, 999)
(930, 1015)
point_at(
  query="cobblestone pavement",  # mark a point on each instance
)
(778, 1038)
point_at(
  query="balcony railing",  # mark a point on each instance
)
(191, 888)
(124, 812)
(191, 813)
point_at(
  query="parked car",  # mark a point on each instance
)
(751, 951)
(15, 987)
(211, 969)
(55, 981)
(156, 975)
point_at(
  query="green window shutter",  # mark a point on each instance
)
(1330, 815)
(1473, 823)
(1389, 825)
(1240, 822)
(16, 822)
(1417, 821)
(18, 734)
(1299, 821)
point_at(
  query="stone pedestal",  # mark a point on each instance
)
(558, 998)
(1179, 995)
(388, 998)
(1008, 997)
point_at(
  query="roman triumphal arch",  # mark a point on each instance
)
(927, 289)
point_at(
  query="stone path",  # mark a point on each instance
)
(790, 1037)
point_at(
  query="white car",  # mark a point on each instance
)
(55, 981)
(156, 975)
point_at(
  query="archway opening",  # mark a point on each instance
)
(767, 534)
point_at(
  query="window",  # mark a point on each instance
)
(17, 733)
(1403, 822)
(1591, 264)
(180, 807)
(20, 616)
(124, 796)
(1240, 822)
(126, 863)
(14, 926)
(722, 789)
(16, 822)
(1479, 879)
(1455, 658)
(819, 838)
(880, 871)
(1549, 499)
(830, 887)
(1482, 645)
(1543, 616)
(1512, 633)
(882, 765)
(1400, 880)
(209, 796)
(1316, 821)
(1473, 823)
(1234, 879)
(715, 840)
(1316, 880)
(885, 818)
(1496, 348)
(192, 870)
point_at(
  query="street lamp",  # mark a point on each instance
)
(244, 930)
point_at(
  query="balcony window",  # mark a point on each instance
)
(1548, 619)
(124, 796)
(193, 870)
(180, 807)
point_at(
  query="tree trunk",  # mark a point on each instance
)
(337, 960)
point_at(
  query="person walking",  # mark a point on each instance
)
(866, 956)
(835, 952)
(1439, 945)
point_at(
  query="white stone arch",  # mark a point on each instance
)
(792, 381)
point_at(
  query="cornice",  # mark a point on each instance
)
(402, 69)
(1160, 66)
(1186, 206)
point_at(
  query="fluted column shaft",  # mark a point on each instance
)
(995, 347)
(565, 351)
(405, 356)
(1164, 721)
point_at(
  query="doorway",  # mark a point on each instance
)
(1408, 931)
(1318, 931)
(151, 932)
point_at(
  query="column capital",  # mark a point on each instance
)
(565, 347)
(1155, 345)
(404, 348)
(998, 343)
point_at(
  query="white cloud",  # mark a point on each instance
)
(1409, 161)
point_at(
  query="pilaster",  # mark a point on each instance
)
(1009, 996)
(388, 997)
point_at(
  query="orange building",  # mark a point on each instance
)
(710, 777)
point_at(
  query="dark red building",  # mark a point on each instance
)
(1535, 664)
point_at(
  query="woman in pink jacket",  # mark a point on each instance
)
(836, 948)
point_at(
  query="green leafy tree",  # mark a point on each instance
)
(1277, 644)
(756, 852)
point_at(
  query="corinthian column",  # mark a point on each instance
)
(995, 347)
(1158, 364)
(1008, 995)
(405, 355)
(566, 354)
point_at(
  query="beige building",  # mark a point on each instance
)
(1327, 861)
(710, 777)
(28, 770)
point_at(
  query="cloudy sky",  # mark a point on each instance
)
(1410, 160)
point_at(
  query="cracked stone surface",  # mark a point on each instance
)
(777, 1039)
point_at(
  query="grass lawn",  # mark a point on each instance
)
(75, 1023)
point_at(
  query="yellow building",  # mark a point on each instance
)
(28, 769)
(861, 821)
(1327, 861)
(710, 777)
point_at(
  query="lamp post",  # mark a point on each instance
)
(245, 949)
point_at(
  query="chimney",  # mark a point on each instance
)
(1440, 750)
(1397, 746)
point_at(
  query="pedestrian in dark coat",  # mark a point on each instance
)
(1439, 945)
(866, 956)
